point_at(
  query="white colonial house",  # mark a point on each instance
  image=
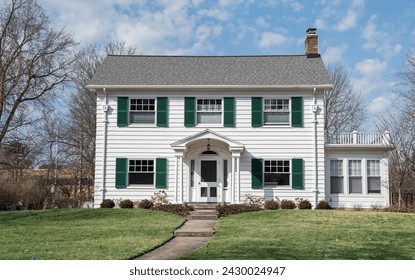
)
(215, 128)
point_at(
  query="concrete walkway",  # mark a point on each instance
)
(195, 232)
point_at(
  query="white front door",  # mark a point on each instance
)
(208, 187)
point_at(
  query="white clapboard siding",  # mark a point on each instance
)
(278, 142)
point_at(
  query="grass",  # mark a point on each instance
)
(97, 234)
(305, 234)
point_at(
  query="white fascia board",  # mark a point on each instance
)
(211, 87)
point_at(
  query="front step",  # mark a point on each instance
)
(196, 228)
(196, 216)
(203, 206)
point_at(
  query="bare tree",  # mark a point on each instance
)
(81, 126)
(35, 62)
(343, 107)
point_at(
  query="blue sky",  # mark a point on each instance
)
(369, 37)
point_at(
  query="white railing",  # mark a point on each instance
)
(361, 138)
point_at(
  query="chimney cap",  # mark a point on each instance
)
(311, 30)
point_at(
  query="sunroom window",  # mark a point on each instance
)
(373, 176)
(336, 176)
(276, 111)
(209, 111)
(355, 176)
(142, 111)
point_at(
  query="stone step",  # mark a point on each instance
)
(203, 212)
(204, 206)
(196, 216)
(196, 228)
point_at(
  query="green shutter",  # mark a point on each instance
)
(189, 111)
(229, 114)
(122, 111)
(120, 173)
(297, 174)
(257, 173)
(256, 112)
(297, 111)
(161, 173)
(162, 111)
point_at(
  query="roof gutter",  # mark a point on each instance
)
(211, 87)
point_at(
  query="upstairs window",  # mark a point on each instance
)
(142, 111)
(373, 176)
(276, 111)
(277, 172)
(209, 111)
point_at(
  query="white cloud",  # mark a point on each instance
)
(262, 22)
(380, 104)
(334, 54)
(320, 24)
(270, 39)
(219, 14)
(370, 67)
(350, 19)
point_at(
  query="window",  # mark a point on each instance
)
(355, 176)
(225, 173)
(373, 176)
(142, 111)
(209, 111)
(277, 172)
(141, 172)
(336, 176)
(276, 111)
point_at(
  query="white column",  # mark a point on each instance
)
(181, 178)
(176, 177)
(233, 181)
(238, 181)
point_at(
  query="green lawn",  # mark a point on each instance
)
(101, 234)
(305, 234)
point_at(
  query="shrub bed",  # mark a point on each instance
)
(225, 209)
(304, 204)
(145, 204)
(272, 205)
(126, 203)
(179, 209)
(323, 205)
(287, 204)
(107, 203)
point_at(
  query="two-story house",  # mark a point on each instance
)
(215, 128)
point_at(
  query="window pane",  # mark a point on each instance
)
(336, 184)
(355, 184)
(373, 184)
(373, 168)
(276, 117)
(213, 192)
(336, 167)
(142, 117)
(355, 168)
(225, 173)
(277, 179)
(209, 117)
(140, 178)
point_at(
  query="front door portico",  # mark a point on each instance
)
(212, 163)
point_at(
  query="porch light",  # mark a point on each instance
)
(208, 146)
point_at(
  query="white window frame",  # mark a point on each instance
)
(201, 110)
(285, 108)
(350, 175)
(336, 175)
(374, 176)
(143, 110)
(268, 184)
(139, 169)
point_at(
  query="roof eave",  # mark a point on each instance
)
(210, 87)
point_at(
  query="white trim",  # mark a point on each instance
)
(213, 87)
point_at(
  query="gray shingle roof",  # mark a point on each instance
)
(286, 70)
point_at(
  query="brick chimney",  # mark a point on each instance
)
(311, 43)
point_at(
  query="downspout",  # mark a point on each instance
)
(315, 109)
(104, 144)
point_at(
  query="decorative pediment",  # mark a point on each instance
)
(183, 144)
